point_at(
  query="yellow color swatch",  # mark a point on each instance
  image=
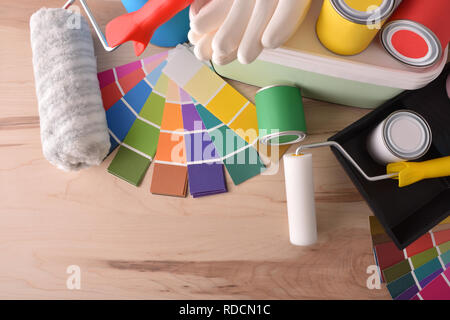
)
(162, 84)
(204, 85)
(246, 124)
(226, 104)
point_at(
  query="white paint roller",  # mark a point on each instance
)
(300, 199)
(74, 131)
(300, 191)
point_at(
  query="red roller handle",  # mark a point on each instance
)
(140, 25)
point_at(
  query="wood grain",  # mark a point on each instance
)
(131, 244)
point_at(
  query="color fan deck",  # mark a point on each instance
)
(418, 272)
(174, 111)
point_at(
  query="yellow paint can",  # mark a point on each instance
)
(347, 27)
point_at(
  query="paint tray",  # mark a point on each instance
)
(409, 212)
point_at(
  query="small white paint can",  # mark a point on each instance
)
(403, 136)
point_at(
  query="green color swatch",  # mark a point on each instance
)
(402, 268)
(242, 165)
(398, 286)
(129, 166)
(153, 108)
(162, 84)
(423, 257)
(445, 247)
(446, 257)
(396, 271)
(143, 137)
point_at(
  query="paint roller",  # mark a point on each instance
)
(74, 130)
(300, 185)
(298, 170)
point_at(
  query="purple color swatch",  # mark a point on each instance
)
(199, 147)
(204, 178)
(191, 118)
(408, 294)
(184, 96)
(154, 57)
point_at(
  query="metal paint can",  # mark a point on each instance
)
(403, 136)
(418, 32)
(347, 27)
(281, 118)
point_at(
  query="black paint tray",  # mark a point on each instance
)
(409, 212)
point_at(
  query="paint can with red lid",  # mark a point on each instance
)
(418, 32)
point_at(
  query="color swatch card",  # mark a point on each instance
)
(438, 289)
(110, 76)
(387, 254)
(122, 114)
(205, 169)
(170, 167)
(211, 91)
(240, 158)
(144, 106)
(409, 271)
(377, 232)
(219, 98)
(411, 263)
(172, 110)
(116, 82)
(405, 287)
(227, 105)
(118, 115)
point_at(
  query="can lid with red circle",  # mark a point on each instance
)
(411, 42)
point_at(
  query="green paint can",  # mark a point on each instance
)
(281, 118)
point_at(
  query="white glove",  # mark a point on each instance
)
(223, 30)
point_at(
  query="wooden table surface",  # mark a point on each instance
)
(131, 244)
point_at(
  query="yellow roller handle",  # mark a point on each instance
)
(412, 172)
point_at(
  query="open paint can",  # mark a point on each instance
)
(403, 136)
(281, 118)
(418, 32)
(347, 27)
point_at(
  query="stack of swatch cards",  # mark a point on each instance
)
(174, 111)
(418, 272)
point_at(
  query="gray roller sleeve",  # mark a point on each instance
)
(74, 131)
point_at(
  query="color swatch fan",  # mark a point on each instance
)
(125, 90)
(173, 110)
(418, 272)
